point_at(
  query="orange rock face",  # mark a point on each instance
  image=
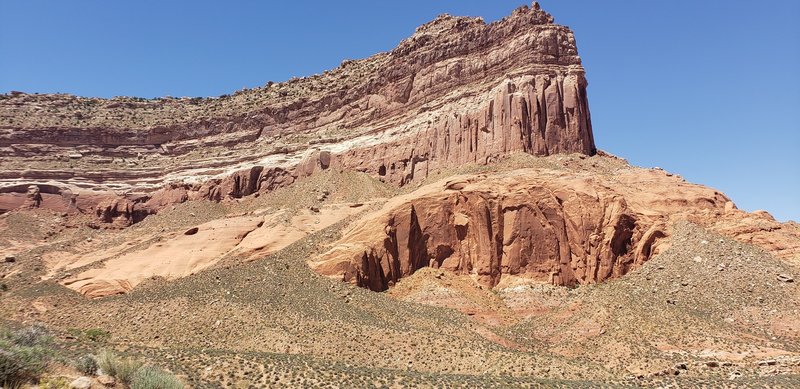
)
(560, 227)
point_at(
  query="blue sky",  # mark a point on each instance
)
(706, 89)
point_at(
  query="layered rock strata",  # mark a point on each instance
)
(548, 225)
(458, 90)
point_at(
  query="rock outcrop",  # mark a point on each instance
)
(548, 225)
(119, 212)
(33, 199)
(458, 90)
(173, 254)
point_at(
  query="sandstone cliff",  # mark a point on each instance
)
(556, 226)
(458, 90)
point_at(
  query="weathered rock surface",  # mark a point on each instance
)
(106, 380)
(81, 383)
(459, 90)
(33, 198)
(542, 224)
(175, 254)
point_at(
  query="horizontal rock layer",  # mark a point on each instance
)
(459, 90)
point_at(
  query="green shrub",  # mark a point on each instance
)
(97, 334)
(149, 377)
(126, 369)
(87, 365)
(35, 335)
(91, 334)
(119, 368)
(24, 355)
(107, 362)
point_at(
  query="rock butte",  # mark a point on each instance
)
(458, 91)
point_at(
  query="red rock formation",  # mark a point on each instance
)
(539, 115)
(459, 90)
(554, 226)
(33, 198)
(121, 212)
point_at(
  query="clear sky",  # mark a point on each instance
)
(706, 89)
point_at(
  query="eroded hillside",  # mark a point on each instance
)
(433, 216)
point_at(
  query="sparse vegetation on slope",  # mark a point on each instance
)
(24, 355)
(274, 322)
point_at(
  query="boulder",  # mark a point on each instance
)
(106, 380)
(785, 278)
(81, 383)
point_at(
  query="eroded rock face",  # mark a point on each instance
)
(459, 90)
(119, 212)
(546, 225)
(33, 199)
(541, 115)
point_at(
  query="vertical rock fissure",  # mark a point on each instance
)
(417, 244)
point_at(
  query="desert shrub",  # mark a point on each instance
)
(35, 335)
(54, 383)
(87, 365)
(149, 377)
(126, 369)
(97, 334)
(24, 355)
(92, 334)
(107, 361)
(122, 369)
